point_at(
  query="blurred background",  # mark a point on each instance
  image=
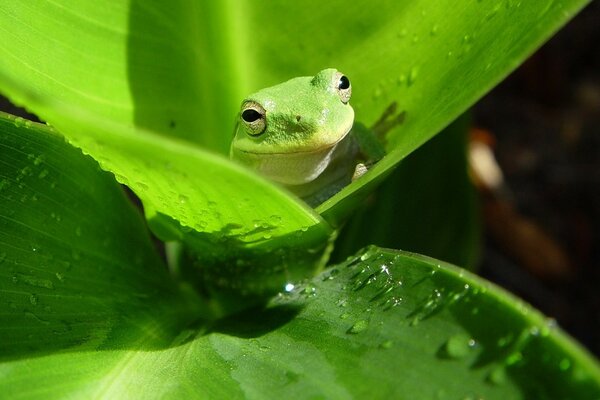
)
(542, 232)
(541, 220)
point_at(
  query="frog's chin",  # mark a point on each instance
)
(293, 168)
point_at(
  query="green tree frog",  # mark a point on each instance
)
(300, 134)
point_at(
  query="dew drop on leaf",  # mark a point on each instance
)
(412, 76)
(359, 326)
(564, 364)
(458, 346)
(344, 315)
(514, 358)
(497, 376)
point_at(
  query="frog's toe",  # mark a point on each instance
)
(359, 171)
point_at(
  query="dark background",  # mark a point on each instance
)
(544, 121)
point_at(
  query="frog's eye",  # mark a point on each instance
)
(343, 87)
(253, 118)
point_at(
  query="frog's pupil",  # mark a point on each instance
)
(344, 83)
(251, 115)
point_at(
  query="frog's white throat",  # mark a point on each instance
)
(299, 168)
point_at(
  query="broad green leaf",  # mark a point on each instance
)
(372, 327)
(77, 268)
(186, 190)
(427, 205)
(157, 65)
(188, 64)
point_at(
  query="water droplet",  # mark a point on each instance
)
(289, 287)
(33, 299)
(387, 344)
(309, 291)
(43, 173)
(497, 376)
(391, 303)
(275, 220)
(19, 122)
(78, 231)
(59, 276)
(412, 76)
(514, 358)
(434, 30)
(344, 315)
(377, 93)
(122, 179)
(401, 80)
(564, 364)
(504, 341)
(359, 326)
(38, 160)
(458, 346)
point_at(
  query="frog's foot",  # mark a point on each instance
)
(359, 171)
(389, 119)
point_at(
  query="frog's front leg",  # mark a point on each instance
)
(371, 141)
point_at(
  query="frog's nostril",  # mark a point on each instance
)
(298, 118)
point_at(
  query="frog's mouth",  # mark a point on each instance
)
(319, 149)
(294, 167)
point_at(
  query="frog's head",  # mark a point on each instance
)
(305, 115)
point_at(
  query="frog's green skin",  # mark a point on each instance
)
(298, 134)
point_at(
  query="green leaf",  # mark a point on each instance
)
(132, 62)
(77, 268)
(371, 327)
(152, 63)
(198, 189)
(427, 205)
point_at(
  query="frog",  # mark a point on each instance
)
(301, 134)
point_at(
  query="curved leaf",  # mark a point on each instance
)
(371, 327)
(132, 62)
(178, 66)
(199, 190)
(77, 268)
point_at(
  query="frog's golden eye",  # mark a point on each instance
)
(343, 87)
(253, 118)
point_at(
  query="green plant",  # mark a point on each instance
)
(148, 90)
